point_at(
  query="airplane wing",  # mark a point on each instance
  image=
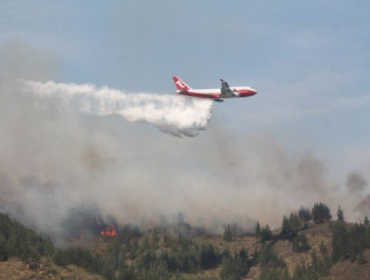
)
(225, 90)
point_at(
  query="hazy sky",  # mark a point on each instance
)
(309, 61)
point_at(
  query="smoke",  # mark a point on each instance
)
(356, 182)
(364, 206)
(173, 114)
(65, 147)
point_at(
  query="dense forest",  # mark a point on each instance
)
(163, 253)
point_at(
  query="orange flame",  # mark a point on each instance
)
(109, 231)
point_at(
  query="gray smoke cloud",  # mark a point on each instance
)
(356, 182)
(364, 206)
(356, 185)
(53, 161)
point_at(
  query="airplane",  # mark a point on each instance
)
(216, 94)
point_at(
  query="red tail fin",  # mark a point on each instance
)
(180, 84)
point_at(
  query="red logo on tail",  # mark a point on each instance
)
(180, 84)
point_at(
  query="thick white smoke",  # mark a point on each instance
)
(52, 162)
(173, 114)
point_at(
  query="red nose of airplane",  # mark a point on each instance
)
(252, 92)
(247, 92)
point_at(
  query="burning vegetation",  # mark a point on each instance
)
(87, 223)
(109, 231)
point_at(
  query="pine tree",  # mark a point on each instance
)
(265, 234)
(340, 214)
(232, 268)
(285, 227)
(294, 221)
(300, 244)
(243, 255)
(305, 246)
(228, 235)
(366, 222)
(321, 213)
(304, 214)
(226, 268)
(207, 256)
(340, 242)
(258, 230)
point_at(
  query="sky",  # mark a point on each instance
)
(309, 61)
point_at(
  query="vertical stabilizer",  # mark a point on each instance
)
(180, 84)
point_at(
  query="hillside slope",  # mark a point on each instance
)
(300, 250)
(15, 268)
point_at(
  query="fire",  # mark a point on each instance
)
(109, 231)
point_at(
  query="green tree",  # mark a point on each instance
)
(305, 246)
(321, 213)
(18, 241)
(233, 268)
(243, 255)
(366, 222)
(267, 257)
(228, 235)
(265, 234)
(340, 214)
(294, 221)
(208, 256)
(340, 240)
(258, 230)
(304, 214)
(285, 226)
(300, 244)
(227, 268)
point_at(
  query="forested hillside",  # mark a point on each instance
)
(309, 245)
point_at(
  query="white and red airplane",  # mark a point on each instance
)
(216, 94)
